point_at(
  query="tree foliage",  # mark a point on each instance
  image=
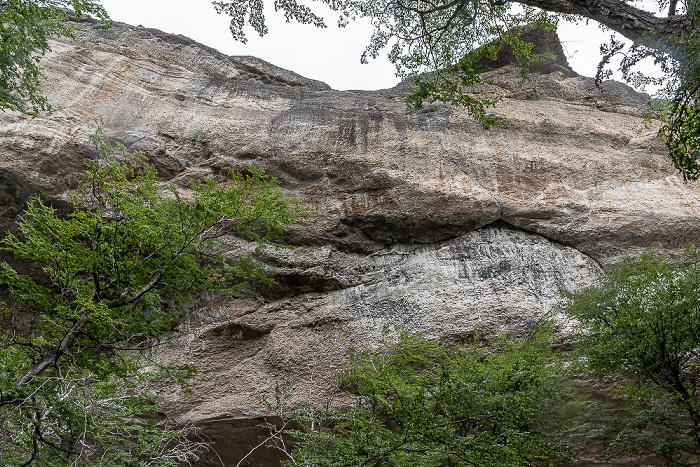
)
(640, 327)
(25, 27)
(422, 403)
(116, 274)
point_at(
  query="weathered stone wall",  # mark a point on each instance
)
(421, 221)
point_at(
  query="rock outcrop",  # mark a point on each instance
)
(422, 221)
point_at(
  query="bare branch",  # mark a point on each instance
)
(435, 9)
(144, 290)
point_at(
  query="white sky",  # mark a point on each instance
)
(331, 55)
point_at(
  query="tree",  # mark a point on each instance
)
(419, 402)
(116, 274)
(25, 26)
(639, 327)
(440, 44)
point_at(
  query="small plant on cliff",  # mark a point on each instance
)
(639, 327)
(110, 281)
(422, 403)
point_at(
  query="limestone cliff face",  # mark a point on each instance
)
(421, 221)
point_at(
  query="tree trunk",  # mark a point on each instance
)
(633, 23)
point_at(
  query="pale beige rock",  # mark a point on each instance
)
(421, 221)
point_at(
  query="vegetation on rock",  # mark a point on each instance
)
(25, 28)
(513, 403)
(419, 402)
(441, 45)
(112, 278)
(639, 328)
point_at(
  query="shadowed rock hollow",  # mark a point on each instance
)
(421, 221)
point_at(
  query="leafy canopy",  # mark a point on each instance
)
(444, 39)
(116, 274)
(25, 26)
(422, 403)
(640, 328)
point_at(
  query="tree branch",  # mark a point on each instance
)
(35, 369)
(435, 9)
(633, 23)
(144, 290)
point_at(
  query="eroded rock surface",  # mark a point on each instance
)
(421, 221)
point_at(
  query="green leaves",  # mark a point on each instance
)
(25, 27)
(436, 46)
(675, 55)
(681, 134)
(421, 403)
(81, 418)
(250, 12)
(441, 47)
(642, 322)
(117, 273)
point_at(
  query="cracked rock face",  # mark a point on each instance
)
(421, 221)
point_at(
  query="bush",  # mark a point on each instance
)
(639, 328)
(420, 402)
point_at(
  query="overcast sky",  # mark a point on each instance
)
(331, 55)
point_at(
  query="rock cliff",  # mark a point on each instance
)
(421, 221)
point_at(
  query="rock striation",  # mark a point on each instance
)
(422, 221)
